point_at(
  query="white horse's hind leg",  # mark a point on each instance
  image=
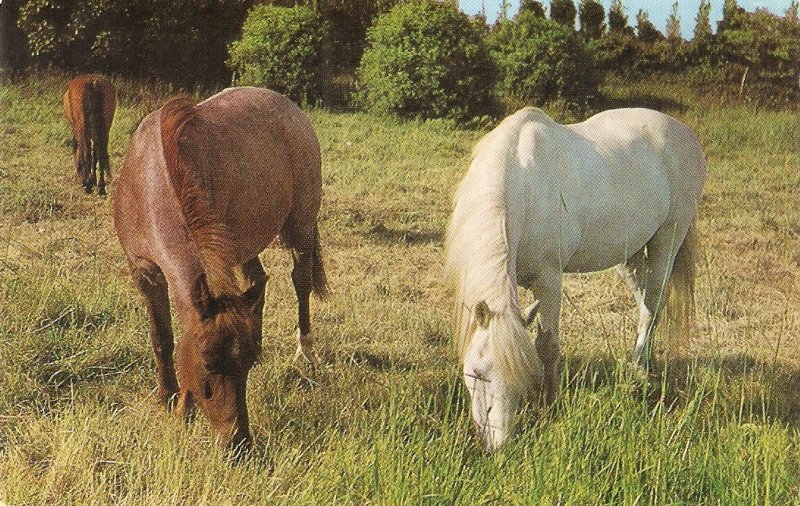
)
(647, 273)
(547, 289)
(632, 271)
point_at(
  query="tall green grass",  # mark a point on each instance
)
(384, 419)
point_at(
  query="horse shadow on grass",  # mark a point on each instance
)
(382, 234)
(760, 389)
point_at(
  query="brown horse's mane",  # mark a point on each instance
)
(209, 233)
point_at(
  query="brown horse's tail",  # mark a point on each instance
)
(318, 277)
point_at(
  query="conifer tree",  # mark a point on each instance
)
(702, 26)
(674, 25)
(617, 20)
(591, 15)
(563, 11)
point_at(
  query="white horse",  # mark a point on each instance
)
(540, 199)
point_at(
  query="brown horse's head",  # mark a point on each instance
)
(214, 358)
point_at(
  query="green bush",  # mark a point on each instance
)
(542, 60)
(281, 49)
(426, 60)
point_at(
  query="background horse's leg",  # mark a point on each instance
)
(153, 287)
(547, 290)
(254, 272)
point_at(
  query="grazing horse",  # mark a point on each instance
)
(89, 105)
(203, 190)
(540, 199)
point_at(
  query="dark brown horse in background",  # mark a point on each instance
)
(203, 190)
(89, 105)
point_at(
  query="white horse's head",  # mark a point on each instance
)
(500, 367)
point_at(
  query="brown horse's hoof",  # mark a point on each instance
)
(168, 401)
(304, 354)
(87, 189)
(101, 191)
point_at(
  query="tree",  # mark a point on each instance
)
(183, 42)
(428, 60)
(347, 21)
(13, 43)
(542, 60)
(592, 18)
(617, 20)
(645, 29)
(791, 15)
(702, 25)
(281, 49)
(674, 26)
(533, 6)
(564, 12)
(730, 14)
(768, 44)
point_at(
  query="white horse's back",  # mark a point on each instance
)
(603, 185)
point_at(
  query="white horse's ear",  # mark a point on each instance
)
(483, 314)
(530, 313)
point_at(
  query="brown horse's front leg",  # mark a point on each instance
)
(153, 287)
(254, 273)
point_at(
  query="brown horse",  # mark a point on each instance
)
(89, 105)
(203, 190)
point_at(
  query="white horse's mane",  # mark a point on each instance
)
(477, 264)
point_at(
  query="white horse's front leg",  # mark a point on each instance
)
(547, 289)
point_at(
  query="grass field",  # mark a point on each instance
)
(384, 419)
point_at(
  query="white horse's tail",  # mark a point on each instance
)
(680, 307)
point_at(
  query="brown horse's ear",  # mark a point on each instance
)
(483, 314)
(202, 299)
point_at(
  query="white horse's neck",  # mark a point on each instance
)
(480, 261)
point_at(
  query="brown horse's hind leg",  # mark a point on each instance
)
(300, 238)
(254, 272)
(153, 286)
(301, 278)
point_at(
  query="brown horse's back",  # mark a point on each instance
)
(255, 160)
(268, 170)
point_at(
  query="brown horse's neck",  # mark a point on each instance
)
(208, 232)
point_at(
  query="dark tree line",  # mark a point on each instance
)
(188, 42)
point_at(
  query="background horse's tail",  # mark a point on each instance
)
(318, 277)
(680, 303)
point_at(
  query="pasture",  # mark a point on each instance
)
(384, 418)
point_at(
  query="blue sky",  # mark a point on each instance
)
(658, 10)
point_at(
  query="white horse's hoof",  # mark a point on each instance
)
(635, 371)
